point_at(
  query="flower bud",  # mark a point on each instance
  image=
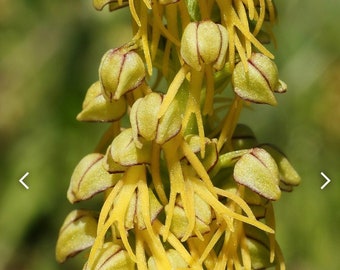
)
(258, 83)
(288, 175)
(258, 210)
(169, 124)
(253, 198)
(113, 4)
(97, 109)
(77, 233)
(144, 116)
(110, 165)
(259, 253)
(203, 217)
(258, 171)
(89, 178)
(174, 257)
(134, 213)
(100, 4)
(285, 187)
(145, 122)
(112, 257)
(243, 138)
(211, 153)
(121, 70)
(204, 42)
(125, 152)
(257, 242)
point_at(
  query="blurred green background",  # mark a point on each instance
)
(49, 55)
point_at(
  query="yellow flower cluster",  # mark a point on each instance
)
(185, 185)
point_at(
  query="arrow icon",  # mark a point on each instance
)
(327, 180)
(22, 180)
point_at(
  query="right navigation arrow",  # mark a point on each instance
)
(327, 180)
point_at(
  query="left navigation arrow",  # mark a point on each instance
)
(22, 180)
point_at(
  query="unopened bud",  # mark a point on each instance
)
(180, 222)
(112, 257)
(145, 122)
(113, 4)
(258, 83)
(211, 153)
(243, 138)
(125, 152)
(144, 116)
(204, 42)
(258, 171)
(134, 214)
(89, 178)
(110, 165)
(174, 257)
(288, 175)
(77, 233)
(98, 109)
(121, 70)
(257, 242)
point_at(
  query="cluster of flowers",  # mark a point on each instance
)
(185, 185)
